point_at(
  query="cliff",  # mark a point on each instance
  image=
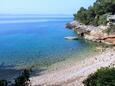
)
(94, 33)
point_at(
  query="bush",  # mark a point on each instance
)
(22, 80)
(103, 77)
(3, 83)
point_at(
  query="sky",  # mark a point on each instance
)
(42, 6)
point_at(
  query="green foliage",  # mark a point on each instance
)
(3, 83)
(96, 14)
(103, 77)
(22, 80)
(82, 14)
(103, 19)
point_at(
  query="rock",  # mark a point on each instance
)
(89, 32)
(71, 38)
(98, 34)
(71, 25)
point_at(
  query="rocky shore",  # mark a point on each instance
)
(104, 34)
(75, 74)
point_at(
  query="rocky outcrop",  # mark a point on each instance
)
(71, 25)
(109, 40)
(93, 33)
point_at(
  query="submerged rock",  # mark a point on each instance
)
(71, 38)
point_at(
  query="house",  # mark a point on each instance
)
(111, 19)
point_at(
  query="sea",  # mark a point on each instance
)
(36, 41)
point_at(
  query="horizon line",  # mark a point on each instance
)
(32, 14)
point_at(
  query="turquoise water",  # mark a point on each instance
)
(37, 41)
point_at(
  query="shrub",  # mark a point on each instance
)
(22, 80)
(103, 77)
(3, 83)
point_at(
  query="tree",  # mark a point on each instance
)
(94, 14)
(111, 8)
(82, 16)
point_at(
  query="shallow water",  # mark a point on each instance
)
(37, 41)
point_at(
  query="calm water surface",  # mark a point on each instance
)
(36, 41)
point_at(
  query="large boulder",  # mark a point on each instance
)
(72, 24)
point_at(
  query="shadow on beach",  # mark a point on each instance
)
(9, 72)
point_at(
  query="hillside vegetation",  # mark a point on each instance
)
(103, 77)
(96, 14)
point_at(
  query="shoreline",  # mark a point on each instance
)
(102, 33)
(75, 74)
